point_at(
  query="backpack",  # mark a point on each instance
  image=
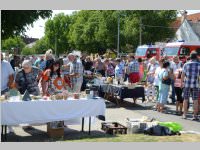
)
(160, 130)
(157, 131)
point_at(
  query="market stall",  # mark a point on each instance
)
(119, 91)
(17, 112)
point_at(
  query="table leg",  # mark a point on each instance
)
(82, 124)
(2, 135)
(5, 133)
(134, 100)
(116, 99)
(89, 125)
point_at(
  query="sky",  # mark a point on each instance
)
(37, 31)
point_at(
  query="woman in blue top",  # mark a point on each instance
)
(163, 86)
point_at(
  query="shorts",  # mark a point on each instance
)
(194, 91)
(163, 94)
(134, 77)
(179, 92)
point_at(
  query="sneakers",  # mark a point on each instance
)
(184, 116)
(195, 118)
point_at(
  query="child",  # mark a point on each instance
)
(178, 91)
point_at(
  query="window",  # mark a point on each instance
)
(170, 51)
(185, 51)
(198, 51)
(141, 51)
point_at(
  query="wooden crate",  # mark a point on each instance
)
(55, 132)
(113, 128)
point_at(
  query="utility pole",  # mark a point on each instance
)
(140, 30)
(118, 35)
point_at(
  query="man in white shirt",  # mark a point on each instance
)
(7, 75)
(7, 78)
(174, 65)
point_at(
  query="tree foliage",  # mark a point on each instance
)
(57, 29)
(96, 30)
(27, 51)
(11, 43)
(41, 46)
(14, 22)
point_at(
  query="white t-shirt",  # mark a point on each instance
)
(65, 61)
(6, 70)
(156, 79)
(175, 66)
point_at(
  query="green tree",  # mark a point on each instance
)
(96, 30)
(56, 32)
(41, 46)
(155, 26)
(27, 51)
(15, 22)
(12, 43)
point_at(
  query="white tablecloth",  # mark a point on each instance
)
(43, 111)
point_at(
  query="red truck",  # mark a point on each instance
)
(145, 51)
(181, 49)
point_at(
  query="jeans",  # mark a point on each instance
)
(173, 92)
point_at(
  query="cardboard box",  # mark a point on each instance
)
(55, 132)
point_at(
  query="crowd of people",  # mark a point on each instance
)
(45, 75)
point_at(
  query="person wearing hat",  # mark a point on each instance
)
(75, 73)
(190, 76)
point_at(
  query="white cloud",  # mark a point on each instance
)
(37, 31)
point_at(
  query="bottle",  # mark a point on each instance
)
(91, 94)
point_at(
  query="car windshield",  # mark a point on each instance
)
(141, 51)
(171, 51)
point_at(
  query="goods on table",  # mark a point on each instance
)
(109, 80)
(60, 96)
(2, 98)
(113, 128)
(36, 97)
(77, 95)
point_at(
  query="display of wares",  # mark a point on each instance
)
(77, 95)
(2, 98)
(36, 97)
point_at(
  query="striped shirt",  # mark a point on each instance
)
(192, 72)
(133, 67)
(76, 67)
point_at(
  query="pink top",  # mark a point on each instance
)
(177, 82)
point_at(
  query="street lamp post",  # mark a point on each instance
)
(140, 31)
(118, 36)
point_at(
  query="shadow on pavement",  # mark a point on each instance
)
(36, 135)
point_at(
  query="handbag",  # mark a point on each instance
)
(167, 81)
(24, 86)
